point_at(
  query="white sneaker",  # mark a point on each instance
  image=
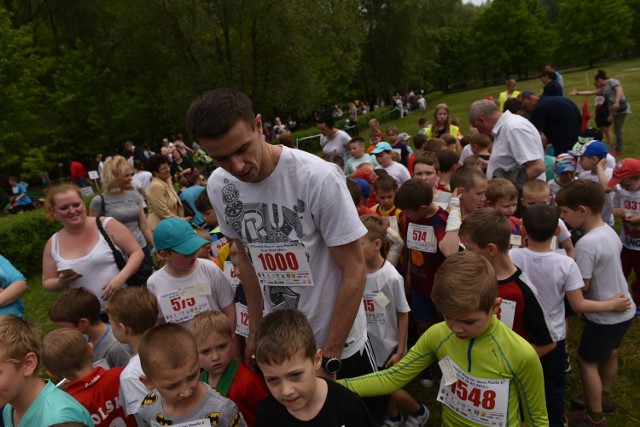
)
(426, 382)
(390, 423)
(420, 420)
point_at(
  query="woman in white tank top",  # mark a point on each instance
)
(81, 249)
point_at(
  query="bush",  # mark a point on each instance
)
(23, 237)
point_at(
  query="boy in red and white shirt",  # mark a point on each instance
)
(66, 354)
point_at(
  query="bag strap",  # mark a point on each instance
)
(102, 208)
(106, 236)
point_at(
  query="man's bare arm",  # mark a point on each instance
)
(350, 260)
(255, 301)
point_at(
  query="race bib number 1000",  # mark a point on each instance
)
(281, 264)
(483, 401)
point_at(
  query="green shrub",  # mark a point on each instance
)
(23, 237)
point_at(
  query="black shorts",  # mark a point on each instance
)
(598, 341)
(602, 118)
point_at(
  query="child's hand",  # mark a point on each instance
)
(602, 164)
(619, 213)
(620, 302)
(393, 360)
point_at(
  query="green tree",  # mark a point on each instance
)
(513, 36)
(583, 34)
(24, 114)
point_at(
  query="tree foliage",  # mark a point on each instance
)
(81, 77)
(585, 37)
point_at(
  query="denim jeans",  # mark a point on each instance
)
(618, 121)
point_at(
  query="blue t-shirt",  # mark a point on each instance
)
(189, 196)
(52, 406)
(8, 275)
(19, 189)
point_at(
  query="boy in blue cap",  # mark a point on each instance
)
(187, 285)
(592, 157)
(383, 155)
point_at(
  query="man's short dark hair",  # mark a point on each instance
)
(548, 73)
(215, 112)
(540, 221)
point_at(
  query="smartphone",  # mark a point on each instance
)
(66, 271)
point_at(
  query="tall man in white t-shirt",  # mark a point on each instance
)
(516, 142)
(294, 217)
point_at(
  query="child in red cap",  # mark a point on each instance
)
(625, 181)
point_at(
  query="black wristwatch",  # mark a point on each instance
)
(331, 364)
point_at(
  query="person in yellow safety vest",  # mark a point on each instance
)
(511, 92)
(441, 123)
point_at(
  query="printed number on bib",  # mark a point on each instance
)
(281, 264)
(483, 401)
(422, 238)
(230, 274)
(242, 320)
(631, 207)
(178, 308)
(374, 304)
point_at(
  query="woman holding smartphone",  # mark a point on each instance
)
(78, 255)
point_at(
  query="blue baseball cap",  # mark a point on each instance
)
(382, 146)
(365, 188)
(565, 163)
(177, 235)
(593, 149)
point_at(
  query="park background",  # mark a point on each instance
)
(78, 78)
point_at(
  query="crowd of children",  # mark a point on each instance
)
(484, 274)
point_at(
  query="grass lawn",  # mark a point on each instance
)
(37, 301)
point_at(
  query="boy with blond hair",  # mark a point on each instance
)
(428, 244)
(187, 285)
(480, 356)
(80, 309)
(214, 340)
(172, 375)
(358, 156)
(66, 354)
(486, 232)
(387, 318)
(287, 355)
(470, 186)
(132, 311)
(27, 399)
(597, 256)
(555, 276)
(538, 192)
(502, 196)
